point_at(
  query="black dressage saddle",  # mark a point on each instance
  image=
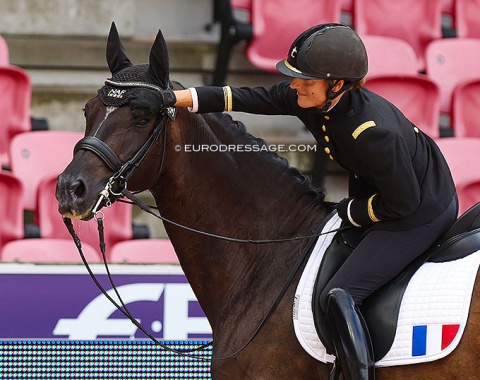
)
(381, 309)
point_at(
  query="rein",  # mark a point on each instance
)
(122, 173)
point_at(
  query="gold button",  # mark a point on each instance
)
(330, 157)
(327, 150)
(324, 129)
(327, 139)
(327, 117)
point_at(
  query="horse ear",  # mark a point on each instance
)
(116, 58)
(158, 65)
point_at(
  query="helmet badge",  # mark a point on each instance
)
(294, 52)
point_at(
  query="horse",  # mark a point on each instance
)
(251, 197)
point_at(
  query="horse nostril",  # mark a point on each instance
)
(77, 189)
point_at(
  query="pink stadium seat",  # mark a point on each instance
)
(39, 154)
(466, 109)
(11, 211)
(58, 251)
(117, 222)
(273, 32)
(417, 96)
(448, 6)
(242, 4)
(4, 54)
(15, 100)
(461, 154)
(417, 22)
(144, 251)
(466, 18)
(389, 55)
(347, 5)
(451, 61)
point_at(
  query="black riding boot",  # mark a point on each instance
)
(350, 335)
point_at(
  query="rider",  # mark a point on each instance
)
(400, 187)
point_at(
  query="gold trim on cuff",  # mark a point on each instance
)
(227, 97)
(371, 214)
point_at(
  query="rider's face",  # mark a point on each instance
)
(312, 92)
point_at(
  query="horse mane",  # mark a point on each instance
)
(240, 132)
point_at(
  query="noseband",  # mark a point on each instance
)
(123, 171)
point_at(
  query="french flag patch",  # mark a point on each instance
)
(431, 339)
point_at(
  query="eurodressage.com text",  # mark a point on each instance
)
(245, 148)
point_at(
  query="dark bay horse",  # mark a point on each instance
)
(252, 195)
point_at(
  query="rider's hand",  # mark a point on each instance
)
(168, 98)
(152, 99)
(342, 210)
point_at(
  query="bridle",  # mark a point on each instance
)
(116, 188)
(123, 171)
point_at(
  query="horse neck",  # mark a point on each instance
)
(241, 195)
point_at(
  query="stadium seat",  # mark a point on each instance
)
(466, 18)
(449, 62)
(242, 4)
(268, 32)
(4, 54)
(417, 22)
(15, 101)
(389, 55)
(117, 219)
(347, 6)
(273, 33)
(37, 155)
(461, 154)
(144, 251)
(57, 251)
(11, 211)
(466, 109)
(417, 96)
(448, 6)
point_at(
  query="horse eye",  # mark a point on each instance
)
(142, 122)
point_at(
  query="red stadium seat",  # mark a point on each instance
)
(58, 251)
(461, 154)
(15, 100)
(448, 6)
(417, 22)
(451, 61)
(389, 55)
(417, 96)
(37, 155)
(4, 54)
(466, 19)
(11, 211)
(117, 222)
(466, 109)
(273, 32)
(347, 5)
(144, 251)
(242, 4)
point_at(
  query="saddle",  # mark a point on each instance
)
(381, 309)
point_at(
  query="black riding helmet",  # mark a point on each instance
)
(330, 52)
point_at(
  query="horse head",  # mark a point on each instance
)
(119, 122)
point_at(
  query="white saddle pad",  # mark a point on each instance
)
(433, 313)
